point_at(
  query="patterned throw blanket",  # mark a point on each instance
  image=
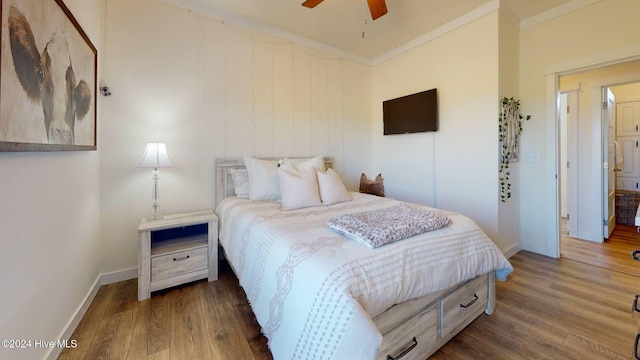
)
(383, 226)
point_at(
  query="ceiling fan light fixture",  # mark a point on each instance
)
(311, 3)
(377, 8)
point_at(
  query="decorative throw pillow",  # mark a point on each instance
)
(373, 187)
(332, 189)
(298, 189)
(263, 179)
(240, 178)
(305, 163)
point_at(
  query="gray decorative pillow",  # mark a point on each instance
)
(240, 178)
(373, 187)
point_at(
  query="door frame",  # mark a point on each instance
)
(608, 217)
(552, 77)
(570, 146)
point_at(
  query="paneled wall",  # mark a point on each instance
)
(274, 96)
(209, 89)
(454, 168)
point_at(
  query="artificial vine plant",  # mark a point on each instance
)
(509, 130)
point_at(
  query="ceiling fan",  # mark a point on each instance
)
(376, 7)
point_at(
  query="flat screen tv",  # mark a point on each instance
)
(411, 114)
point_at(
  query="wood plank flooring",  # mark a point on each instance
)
(547, 309)
(614, 253)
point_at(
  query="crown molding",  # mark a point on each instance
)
(555, 12)
(227, 17)
(485, 9)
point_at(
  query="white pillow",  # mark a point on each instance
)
(305, 163)
(298, 189)
(240, 178)
(263, 179)
(332, 189)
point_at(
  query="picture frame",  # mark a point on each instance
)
(48, 87)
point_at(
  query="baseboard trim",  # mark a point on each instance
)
(75, 320)
(512, 251)
(117, 276)
(102, 279)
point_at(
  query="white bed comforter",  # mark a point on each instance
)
(315, 292)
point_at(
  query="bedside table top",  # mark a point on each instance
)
(173, 220)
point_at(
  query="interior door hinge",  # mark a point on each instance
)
(605, 106)
(605, 222)
(568, 216)
(568, 108)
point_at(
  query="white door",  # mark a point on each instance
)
(608, 173)
(627, 114)
(630, 154)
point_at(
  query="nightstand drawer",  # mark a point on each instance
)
(178, 263)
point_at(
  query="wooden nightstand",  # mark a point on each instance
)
(176, 249)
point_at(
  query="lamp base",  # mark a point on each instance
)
(154, 195)
(157, 217)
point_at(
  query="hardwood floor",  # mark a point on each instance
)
(614, 253)
(547, 309)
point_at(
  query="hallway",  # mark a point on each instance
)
(613, 254)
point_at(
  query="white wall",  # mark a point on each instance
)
(627, 92)
(581, 37)
(211, 89)
(49, 229)
(456, 167)
(508, 237)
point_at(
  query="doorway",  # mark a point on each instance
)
(618, 115)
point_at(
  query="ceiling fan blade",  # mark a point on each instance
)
(377, 8)
(311, 3)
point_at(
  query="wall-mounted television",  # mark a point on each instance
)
(411, 114)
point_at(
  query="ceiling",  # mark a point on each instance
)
(340, 24)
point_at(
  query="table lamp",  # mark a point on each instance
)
(155, 156)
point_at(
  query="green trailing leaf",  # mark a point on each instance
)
(509, 141)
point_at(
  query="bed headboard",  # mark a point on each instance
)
(224, 184)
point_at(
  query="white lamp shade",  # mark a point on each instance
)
(155, 156)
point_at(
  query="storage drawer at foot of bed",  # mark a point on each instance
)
(178, 263)
(411, 339)
(463, 305)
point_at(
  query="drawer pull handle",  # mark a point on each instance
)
(475, 298)
(182, 258)
(634, 308)
(635, 255)
(635, 347)
(407, 347)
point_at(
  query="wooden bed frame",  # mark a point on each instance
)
(417, 328)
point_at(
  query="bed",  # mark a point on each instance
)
(317, 294)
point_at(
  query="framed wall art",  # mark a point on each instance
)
(49, 82)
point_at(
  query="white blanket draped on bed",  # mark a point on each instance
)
(315, 292)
